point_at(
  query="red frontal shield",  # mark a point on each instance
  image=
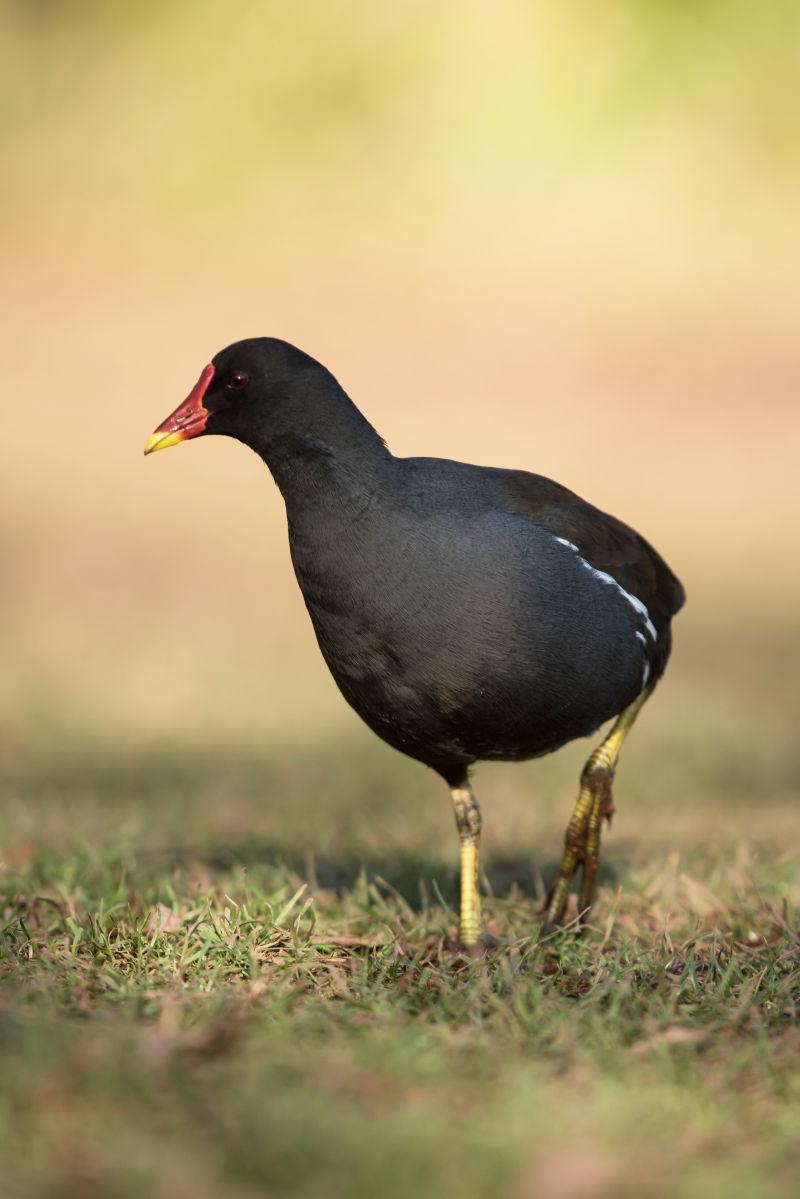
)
(188, 419)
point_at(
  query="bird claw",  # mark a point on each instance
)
(581, 849)
(478, 949)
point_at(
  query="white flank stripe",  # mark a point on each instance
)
(633, 600)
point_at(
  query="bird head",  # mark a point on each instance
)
(256, 391)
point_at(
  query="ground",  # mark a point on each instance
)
(230, 971)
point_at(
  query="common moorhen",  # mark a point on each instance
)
(467, 613)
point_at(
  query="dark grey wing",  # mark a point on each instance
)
(606, 543)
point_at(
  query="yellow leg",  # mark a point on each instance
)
(595, 803)
(468, 823)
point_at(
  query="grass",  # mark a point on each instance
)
(169, 1031)
(230, 971)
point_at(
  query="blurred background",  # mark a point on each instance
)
(548, 236)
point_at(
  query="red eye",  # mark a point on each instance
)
(238, 380)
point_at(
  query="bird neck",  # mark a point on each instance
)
(335, 464)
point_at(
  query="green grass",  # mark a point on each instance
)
(179, 1028)
(230, 971)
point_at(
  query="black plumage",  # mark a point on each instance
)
(466, 613)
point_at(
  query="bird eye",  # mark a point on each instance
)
(238, 380)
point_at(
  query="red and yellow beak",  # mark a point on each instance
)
(188, 419)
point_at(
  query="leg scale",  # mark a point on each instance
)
(594, 805)
(468, 823)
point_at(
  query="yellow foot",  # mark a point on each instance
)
(582, 844)
(480, 947)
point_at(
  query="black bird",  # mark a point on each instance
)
(467, 613)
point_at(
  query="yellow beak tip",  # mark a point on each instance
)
(161, 441)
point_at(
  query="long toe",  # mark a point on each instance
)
(556, 903)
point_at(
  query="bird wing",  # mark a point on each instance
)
(604, 542)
